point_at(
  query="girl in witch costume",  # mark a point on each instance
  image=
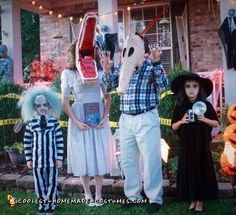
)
(196, 178)
(43, 142)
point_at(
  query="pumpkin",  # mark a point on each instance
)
(230, 134)
(228, 159)
(231, 114)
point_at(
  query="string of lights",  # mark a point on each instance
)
(60, 15)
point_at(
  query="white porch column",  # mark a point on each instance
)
(106, 14)
(229, 75)
(11, 35)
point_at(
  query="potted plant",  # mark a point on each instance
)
(16, 153)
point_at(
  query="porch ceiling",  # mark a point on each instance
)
(73, 7)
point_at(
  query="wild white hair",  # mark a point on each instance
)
(27, 102)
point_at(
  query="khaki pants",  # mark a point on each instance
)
(140, 134)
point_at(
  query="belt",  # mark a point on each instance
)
(137, 113)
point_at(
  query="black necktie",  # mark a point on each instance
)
(43, 123)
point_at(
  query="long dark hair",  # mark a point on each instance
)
(181, 96)
(71, 56)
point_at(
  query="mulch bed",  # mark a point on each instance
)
(6, 167)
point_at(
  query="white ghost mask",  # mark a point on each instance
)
(132, 58)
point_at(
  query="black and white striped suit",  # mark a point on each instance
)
(44, 147)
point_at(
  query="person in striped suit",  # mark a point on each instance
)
(43, 142)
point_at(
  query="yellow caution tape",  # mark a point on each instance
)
(163, 95)
(165, 121)
(16, 96)
(64, 124)
(114, 124)
(167, 93)
(8, 121)
(10, 96)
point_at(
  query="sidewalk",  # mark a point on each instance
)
(69, 186)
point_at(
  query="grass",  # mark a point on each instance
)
(219, 207)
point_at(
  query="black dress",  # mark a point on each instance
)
(196, 179)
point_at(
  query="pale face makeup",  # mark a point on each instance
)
(41, 105)
(191, 89)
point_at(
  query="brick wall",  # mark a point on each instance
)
(205, 45)
(50, 48)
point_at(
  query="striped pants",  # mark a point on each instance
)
(45, 183)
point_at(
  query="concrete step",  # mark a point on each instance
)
(69, 186)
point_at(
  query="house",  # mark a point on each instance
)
(186, 30)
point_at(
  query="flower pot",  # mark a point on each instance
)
(16, 157)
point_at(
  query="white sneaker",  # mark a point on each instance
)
(99, 202)
(90, 202)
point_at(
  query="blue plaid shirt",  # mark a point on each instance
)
(144, 87)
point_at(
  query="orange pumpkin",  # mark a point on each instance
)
(230, 134)
(228, 159)
(231, 114)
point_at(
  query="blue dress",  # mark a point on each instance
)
(90, 152)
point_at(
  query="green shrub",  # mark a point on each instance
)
(165, 110)
(173, 164)
(115, 107)
(224, 122)
(9, 110)
(56, 84)
(18, 146)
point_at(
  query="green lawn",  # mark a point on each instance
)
(219, 207)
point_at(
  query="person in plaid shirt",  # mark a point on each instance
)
(140, 77)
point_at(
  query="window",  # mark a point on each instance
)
(121, 32)
(157, 19)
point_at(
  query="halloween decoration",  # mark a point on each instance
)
(231, 114)
(6, 66)
(230, 135)
(228, 159)
(132, 58)
(227, 34)
(85, 49)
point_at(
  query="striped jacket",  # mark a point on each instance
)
(43, 147)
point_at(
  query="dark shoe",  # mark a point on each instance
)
(41, 211)
(153, 208)
(49, 211)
